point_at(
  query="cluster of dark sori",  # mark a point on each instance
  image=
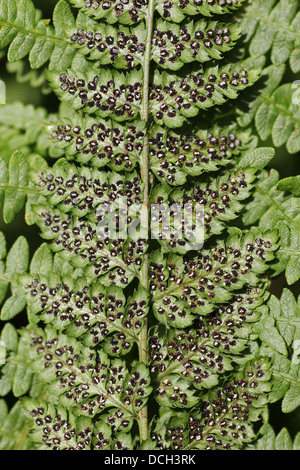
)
(88, 311)
(120, 97)
(174, 10)
(225, 421)
(103, 97)
(119, 261)
(174, 435)
(102, 144)
(81, 191)
(218, 200)
(58, 430)
(192, 154)
(104, 442)
(104, 438)
(199, 90)
(87, 380)
(135, 10)
(196, 362)
(194, 284)
(226, 416)
(201, 354)
(174, 393)
(172, 50)
(114, 10)
(123, 49)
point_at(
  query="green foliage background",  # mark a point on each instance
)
(286, 164)
(25, 93)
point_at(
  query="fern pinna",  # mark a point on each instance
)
(137, 342)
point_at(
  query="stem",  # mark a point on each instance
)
(143, 354)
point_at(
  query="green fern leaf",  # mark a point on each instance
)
(174, 98)
(54, 428)
(280, 118)
(98, 142)
(14, 183)
(98, 382)
(202, 355)
(16, 262)
(274, 209)
(272, 25)
(13, 434)
(268, 440)
(285, 366)
(31, 36)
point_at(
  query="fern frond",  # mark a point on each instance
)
(122, 48)
(86, 381)
(181, 290)
(155, 145)
(112, 261)
(290, 184)
(273, 27)
(16, 374)
(54, 428)
(273, 208)
(285, 365)
(135, 10)
(286, 313)
(26, 34)
(13, 185)
(114, 95)
(89, 311)
(98, 142)
(174, 98)
(84, 205)
(27, 126)
(269, 81)
(269, 440)
(175, 156)
(172, 156)
(286, 382)
(200, 356)
(279, 117)
(172, 45)
(13, 263)
(80, 190)
(225, 418)
(27, 120)
(178, 9)
(220, 201)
